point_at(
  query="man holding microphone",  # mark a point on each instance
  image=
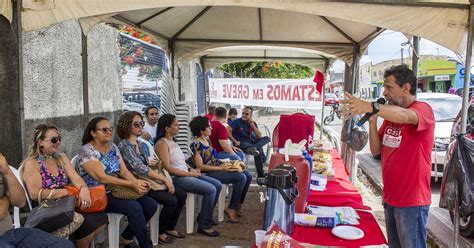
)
(404, 143)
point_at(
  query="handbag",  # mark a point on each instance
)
(67, 230)
(52, 214)
(123, 192)
(235, 166)
(156, 184)
(98, 198)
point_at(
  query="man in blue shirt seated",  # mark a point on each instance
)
(244, 134)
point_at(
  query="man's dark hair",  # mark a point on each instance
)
(403, 75)
(198, 124)
(233, 111)
(150, 108)
(249, 108)
(211, 109)
(220, 112)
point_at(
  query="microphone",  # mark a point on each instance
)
(368, 115)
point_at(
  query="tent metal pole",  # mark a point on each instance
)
(326, 67)
(204, 86)
(85, 78)
(465, 105)
(416, 50)
(17, 28)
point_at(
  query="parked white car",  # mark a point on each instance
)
(445, 108)
(133, 106)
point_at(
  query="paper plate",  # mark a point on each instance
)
(347, 232)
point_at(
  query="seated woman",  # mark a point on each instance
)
(98, 161)
(46, 168)
(205, 159)
(189, 180)
(129, 127)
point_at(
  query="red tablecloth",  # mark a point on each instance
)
(340, 192)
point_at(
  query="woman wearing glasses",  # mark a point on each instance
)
(98, 160)
(48, 169)
(190, 180)
(129, 127)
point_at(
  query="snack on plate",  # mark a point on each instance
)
(322, 156)
(319, 167)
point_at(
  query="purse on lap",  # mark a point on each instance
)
(98, 198)
(155, 184)
(52, 214)
(122, 192)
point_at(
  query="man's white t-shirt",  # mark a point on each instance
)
(150, 129)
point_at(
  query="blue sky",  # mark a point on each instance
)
(387, 46)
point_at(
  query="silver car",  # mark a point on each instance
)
(445, 108)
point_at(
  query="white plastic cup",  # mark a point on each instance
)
(259, 234)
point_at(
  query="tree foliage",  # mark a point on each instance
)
(268, 69)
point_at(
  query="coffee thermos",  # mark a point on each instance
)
(280, 200)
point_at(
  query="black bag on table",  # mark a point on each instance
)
(52, 214)
(458, 178)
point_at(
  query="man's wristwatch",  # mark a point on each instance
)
(375, 108)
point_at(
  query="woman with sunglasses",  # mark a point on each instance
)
(129, 127)
(48, 169)
(97, 161)
(185, 178)
(205, 159)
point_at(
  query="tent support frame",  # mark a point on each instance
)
(153, 16)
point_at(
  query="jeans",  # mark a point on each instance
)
(206, 186)
(406, 227)
(138, 213)
(241, 182)
(172, 206)
(32, 238)
(238, 155)
(259, 159)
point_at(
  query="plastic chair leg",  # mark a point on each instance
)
(154, 225)
(221, 203)
(114, 229)
(190, 204)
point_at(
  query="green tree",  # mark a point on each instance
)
(268, 69)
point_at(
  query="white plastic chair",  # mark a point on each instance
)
(190, 205)
(221, 202)
(16, 210)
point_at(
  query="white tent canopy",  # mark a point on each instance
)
(189, 28)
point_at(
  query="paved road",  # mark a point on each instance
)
(439, 226)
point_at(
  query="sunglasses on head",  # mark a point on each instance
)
(105, 129)
(55, 139)
(139, 124)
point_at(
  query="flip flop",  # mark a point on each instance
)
(178, 236)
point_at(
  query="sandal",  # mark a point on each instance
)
(166, 240)
(214, 233)
(178, 235)
(232, 215)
